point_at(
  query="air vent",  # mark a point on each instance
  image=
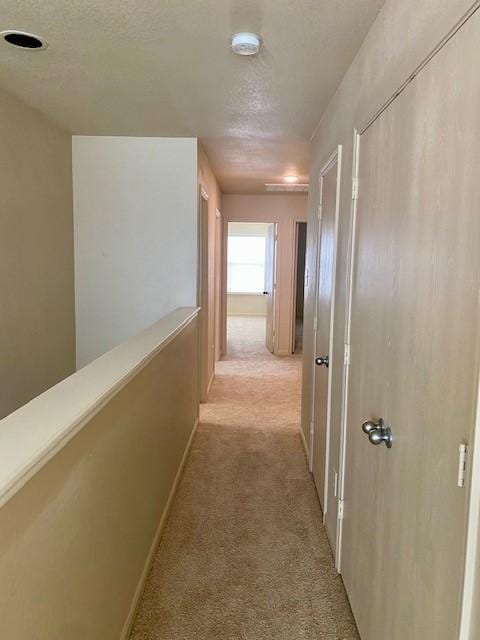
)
(286, 187)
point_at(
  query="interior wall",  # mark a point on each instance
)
(244, 304)
(286, 209)
(404, 33)
(135, 214)
(207, 180)
(37, 319)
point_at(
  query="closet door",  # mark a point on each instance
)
(414, 351)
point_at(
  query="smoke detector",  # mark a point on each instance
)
(246, 44)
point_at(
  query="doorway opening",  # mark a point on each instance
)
(251, 283)
(299, 286)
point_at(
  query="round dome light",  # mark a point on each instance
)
(23, 40)
(246, 44)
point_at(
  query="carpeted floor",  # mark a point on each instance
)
(244, 555)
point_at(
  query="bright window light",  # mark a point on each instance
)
(246, 264)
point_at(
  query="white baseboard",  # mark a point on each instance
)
(246, 315)
(127, 627)
(209, 386)
(305, 446)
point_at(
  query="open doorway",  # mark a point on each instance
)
(251, 284)
(299, 285)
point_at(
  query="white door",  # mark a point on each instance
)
(324, 457)
(414, 346)
(270, 284)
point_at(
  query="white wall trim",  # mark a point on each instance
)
(151, 554)
(346, 367)
(244, 293)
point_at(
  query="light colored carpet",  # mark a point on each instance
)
(244, 555)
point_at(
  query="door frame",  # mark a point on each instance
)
(334, 158)
(202, 290)
(218, 283)
(224, 280)
(347, 343)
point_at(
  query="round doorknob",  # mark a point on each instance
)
(378, 433)
(322, 361)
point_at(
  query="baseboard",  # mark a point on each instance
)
(247, 315)
(283, 353)
(127, 627)
(305, 446)
(209, 385)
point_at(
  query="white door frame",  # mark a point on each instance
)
(335, 158)
(346, 360)
(224, 279)
(202, 288)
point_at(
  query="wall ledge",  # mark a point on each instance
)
(34, 433)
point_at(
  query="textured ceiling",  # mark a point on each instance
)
(164, 68)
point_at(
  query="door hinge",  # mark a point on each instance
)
(340, 510)
(355, 182)
(307, 278)
(346, 359)
(462, 464)
(319, 211)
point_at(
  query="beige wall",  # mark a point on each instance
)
(286, 209)
(37, 318)
(402, 36)
(76, 539)
(207, 180)
(244, 304)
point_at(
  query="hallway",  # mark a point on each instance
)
(244, 554)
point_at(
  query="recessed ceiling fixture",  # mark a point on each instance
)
(246, 44)
(291, 179)
(23, 40)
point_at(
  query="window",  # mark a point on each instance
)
(246, 264)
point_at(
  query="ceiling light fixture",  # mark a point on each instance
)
(291, 179)
(246, 44)
(281, 186)
(23, 40)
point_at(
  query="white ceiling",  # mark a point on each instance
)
(164, 68)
